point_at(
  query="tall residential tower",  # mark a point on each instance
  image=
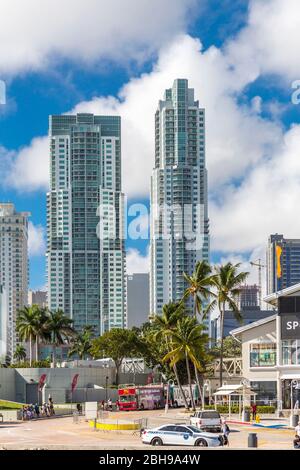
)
(86, 254)
(13, 273)
(179, 216)
(283, 262)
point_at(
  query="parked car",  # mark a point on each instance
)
(181, 435)
(207, 420)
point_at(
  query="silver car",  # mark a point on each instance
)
(181, 435)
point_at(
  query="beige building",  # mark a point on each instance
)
(271, 351)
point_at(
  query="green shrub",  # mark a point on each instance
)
(261, 409)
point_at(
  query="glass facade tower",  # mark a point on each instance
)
(86, 264)
(179, 216)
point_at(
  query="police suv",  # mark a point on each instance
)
(181, 435)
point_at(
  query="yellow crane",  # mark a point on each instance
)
(259, 264)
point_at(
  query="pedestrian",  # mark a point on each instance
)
(37, 410)
(225, 431)
(109, 404)
(254, 410)
(296, 442)
(103, 405)
(297, 429)
(117, 405)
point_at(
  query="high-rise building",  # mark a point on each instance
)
(138, 308)
(283, 262)
(179, 216)
(248, 297)
(85, 207)
(37, 297)
(13, 271)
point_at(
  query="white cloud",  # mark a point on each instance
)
(265, 202)
(33, 37)
(36, 240)
(268, 44)
(28, 168)
(136, 262)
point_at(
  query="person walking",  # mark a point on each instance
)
(254, 411)
(37, 410)
(225, 431)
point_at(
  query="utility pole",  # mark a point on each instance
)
(258, 264)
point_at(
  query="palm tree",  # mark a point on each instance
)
(41, 329)
(20, 353)
(171, 313)
(227, 282)
(81, 343)
(188, 342)
(58, 330)
(199, 284)
(27, 326)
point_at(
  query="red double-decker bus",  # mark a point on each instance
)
(127, 397)
(142, 397)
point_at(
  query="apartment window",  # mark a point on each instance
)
(263, 355)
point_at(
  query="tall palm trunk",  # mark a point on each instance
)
(37, 348)
(54, 354)
(190, 381)
(30, 350)
(180, 387)
(195, 368)
(222, 313)
(178, 380)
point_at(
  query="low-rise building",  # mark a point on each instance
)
(271, 350)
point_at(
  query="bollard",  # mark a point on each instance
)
(252, 439)
(294, 420)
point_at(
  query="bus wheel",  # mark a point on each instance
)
(176, 404)
(156, 442)
(142, 406)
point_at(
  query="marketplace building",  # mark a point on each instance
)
(271, 351)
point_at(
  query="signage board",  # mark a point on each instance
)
(289, 312)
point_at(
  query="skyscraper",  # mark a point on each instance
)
(13, 272)
(86, 254)
(137, 299)
(179, 216)
(283, 262)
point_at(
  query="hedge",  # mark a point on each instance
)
(260, 409)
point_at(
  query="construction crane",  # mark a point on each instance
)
(258, 264)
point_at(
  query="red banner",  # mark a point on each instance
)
(74, 382)
(42, 381)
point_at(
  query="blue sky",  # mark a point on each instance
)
(245, 86)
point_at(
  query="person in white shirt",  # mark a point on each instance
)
(297, 429)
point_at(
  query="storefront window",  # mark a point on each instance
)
(263, 355)
(291, 352)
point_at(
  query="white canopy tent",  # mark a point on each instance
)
(227, 393)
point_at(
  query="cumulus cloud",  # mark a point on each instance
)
(268, 44)
(27, 170)
(264, 203)
(137, 262)
(34, 37)
(36, 240)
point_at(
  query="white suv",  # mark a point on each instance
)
(207, 420)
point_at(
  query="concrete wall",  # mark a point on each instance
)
(7, 384)
(18, 384)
